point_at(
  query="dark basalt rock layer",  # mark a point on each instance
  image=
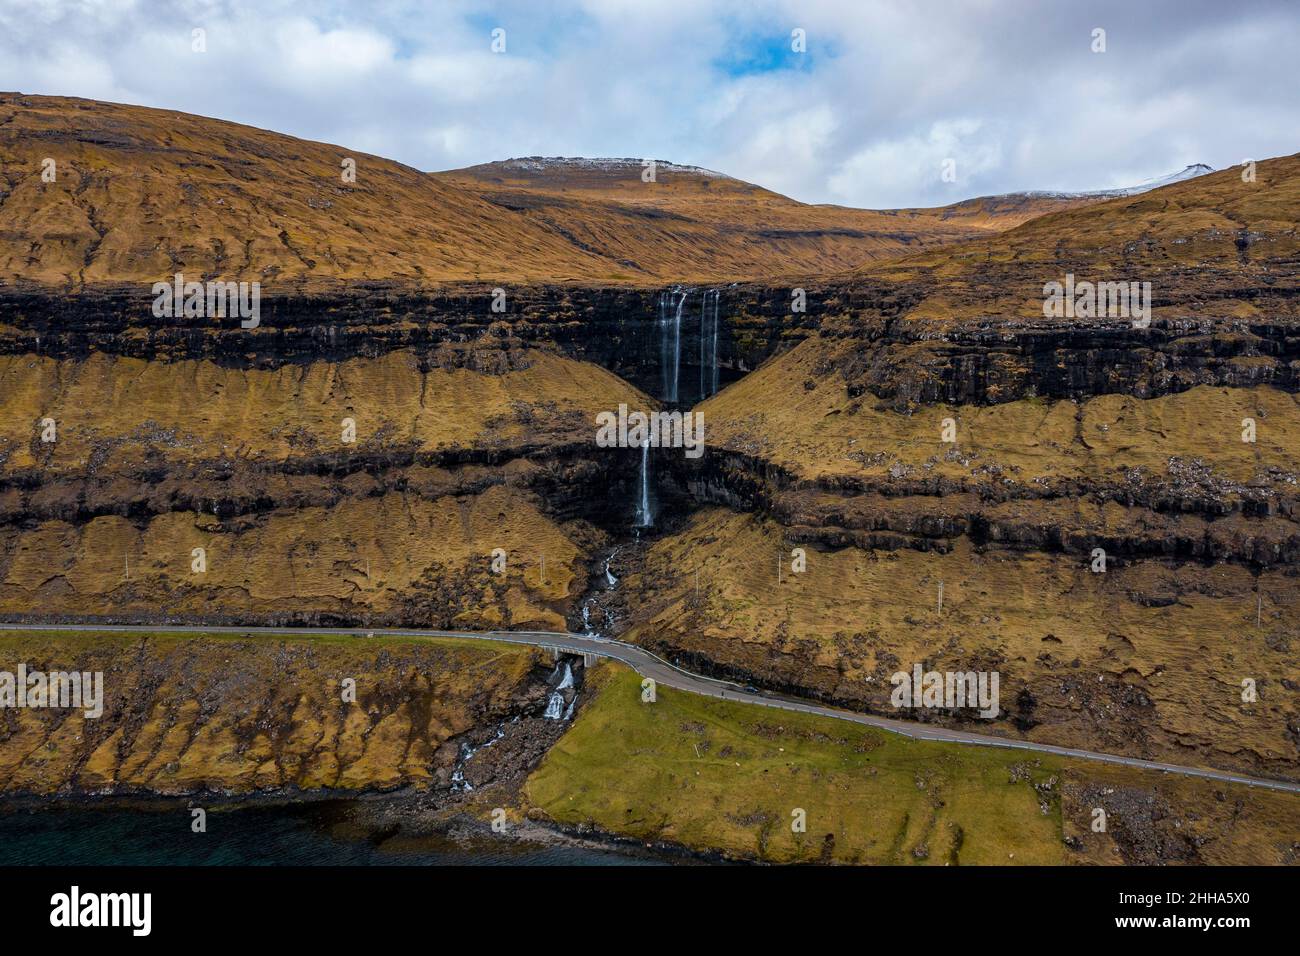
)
(986, 364)
(902, 362)
(875, 352)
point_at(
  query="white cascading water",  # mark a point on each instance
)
(458, 782)
(589, 628)
(713, 385)
(670, 343)
(709, 322)
(665, 360)
(704, 337)
(555, 707)
(677, 347)
(567, 681)
(644, 517)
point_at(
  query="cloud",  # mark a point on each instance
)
(910, 165)
(884, 94)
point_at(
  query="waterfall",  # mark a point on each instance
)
(644, 517)
(710, 320)
(555, 707)
(677, 347)
(670, 344)
(458, 782)
(704, 334)
(567, 680)
(595, 601)
(713, 364)
(665, 363)
(568, 713)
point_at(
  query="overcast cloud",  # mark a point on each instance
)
(884, 94)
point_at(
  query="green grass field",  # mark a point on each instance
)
(711, 774)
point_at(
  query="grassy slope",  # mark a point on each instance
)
(124, 411)
(695, 226)
(1194, 222)
(142, 193)
(816, 430)
(435, 554)
(1144, 659)
(716, 775)
(240, 713)
(1213, 246)
(119, 419)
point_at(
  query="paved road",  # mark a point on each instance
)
(669, 675)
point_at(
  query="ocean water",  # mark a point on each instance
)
(294, 835)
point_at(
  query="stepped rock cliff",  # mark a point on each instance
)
(880, 389)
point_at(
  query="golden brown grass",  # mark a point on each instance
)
(1213, 246)
(123, 409)
(142, 193)
(1146, 659)
(428, 559)
(697, 227)
(240, 714)
(794, 413)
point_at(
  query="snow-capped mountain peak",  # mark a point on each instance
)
(1187, 172)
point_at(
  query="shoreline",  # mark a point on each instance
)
(378, 818)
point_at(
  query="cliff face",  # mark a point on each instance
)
(622, 330)
(909, 423)
(1103, 513)
(242, 715)
(192, 489)
(871, 335)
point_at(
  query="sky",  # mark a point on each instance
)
(888, 104)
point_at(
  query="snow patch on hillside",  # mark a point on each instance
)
(1189, 172)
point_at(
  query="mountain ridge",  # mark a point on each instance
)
(140, 194)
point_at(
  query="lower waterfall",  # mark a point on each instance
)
(555, 707)
(644, 515)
